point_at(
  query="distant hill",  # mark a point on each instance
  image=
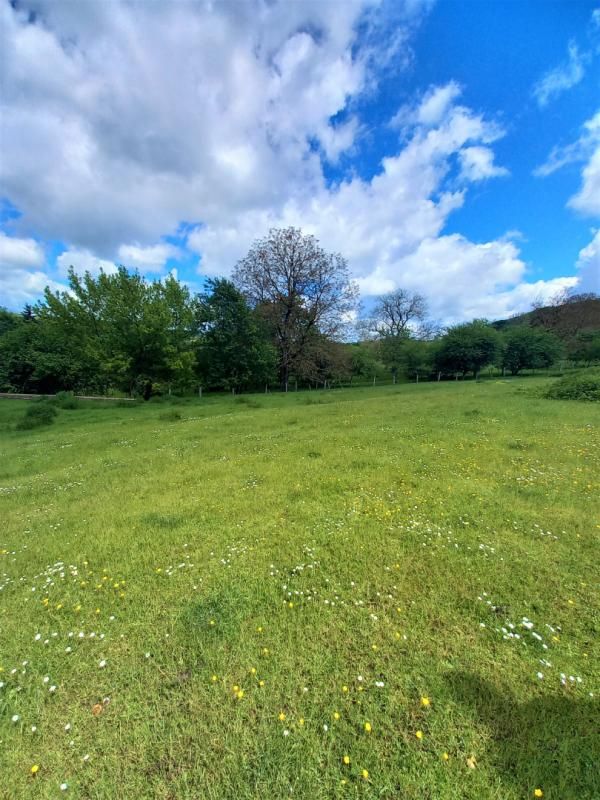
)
(578, 314)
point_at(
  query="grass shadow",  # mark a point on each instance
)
(550, 742)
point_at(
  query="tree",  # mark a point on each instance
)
(127, 332)
(298, 289)
(234, 353)
(418, 358)
(394, 313)
(468, 348)
(529, 348)
(363, 360)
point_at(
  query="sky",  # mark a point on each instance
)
(449, 148)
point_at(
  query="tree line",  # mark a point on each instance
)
(284, 318)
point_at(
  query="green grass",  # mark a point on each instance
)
(292, 546)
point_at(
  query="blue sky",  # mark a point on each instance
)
(450, 148)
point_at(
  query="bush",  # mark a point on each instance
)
(36, 416)
(66, 400)
(578, 386)
(170, 416)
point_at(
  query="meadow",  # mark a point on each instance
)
(385, 592)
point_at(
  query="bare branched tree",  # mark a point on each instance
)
(395, 313)
(299, 289)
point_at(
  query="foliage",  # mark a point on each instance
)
(529, 348)
(577, 386)
(65, 400)
(585, 348)
(234, 352)
(468, 348)
(37, 414)
(299, 290)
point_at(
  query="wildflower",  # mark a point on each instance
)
(286, 732)
(15, 718)
(239, 694)
(368, 727)
(253, 671)
(365, 774)
(64, 787)
(259, 629)
(325, 728)
(344, 689)
(86, 757)
(346, 760)
(102, 663)
(68, 726)
(214, 679)
(212, 622)
(336, 715)
(425, 702)
(301, 721)
(33, 728)
(445, 756)
(52, 689)
(35, 769)
(281, 716)
(419, 735)
(538, 793)
(261, 683)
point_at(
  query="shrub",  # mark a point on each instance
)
(170, 416)
(66, 400)
(37, 415)
(578, 386)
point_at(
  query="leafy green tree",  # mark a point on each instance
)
(529, 348)
(585, 348)
(467, 348)
(417, 358)
(129, 333)
(234, 352)
(363, 360)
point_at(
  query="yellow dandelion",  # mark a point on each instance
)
(212, 622)
(368, 727)
(374, 647)
(445, 756)
(214, 679)
(261, 683)
(236, 688)
(239, 694)
(35, 769)
(365, 774)
(425, 702)
(346, 760)
(336, 715)
(253, 671)
(290, 604)
(344, 689)
(281, 716)
(265, 651)
(259, 629)
(419, 734)
(301, 721)
(538, 793)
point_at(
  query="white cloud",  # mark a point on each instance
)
(122, 120)
(21, 279)
(83, 261)
(587, 199)
(148, 259)
(561, 78)
(585, 148)
(477, 164)
(588, 265)
(15, 252)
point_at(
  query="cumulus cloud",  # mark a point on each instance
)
(21, 278)
(122, 120)
(561, 78)
(19, 253)
(148, 259)
(83, 261)
(588, 265)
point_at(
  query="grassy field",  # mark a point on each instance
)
(370, 593)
